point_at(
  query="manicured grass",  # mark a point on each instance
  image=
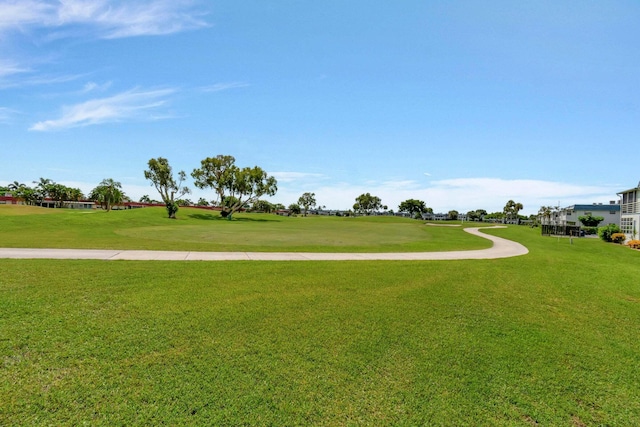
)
(550, 338)
(202, 230)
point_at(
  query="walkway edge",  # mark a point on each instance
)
(502, 248)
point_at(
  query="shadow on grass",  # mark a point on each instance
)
(218, 217)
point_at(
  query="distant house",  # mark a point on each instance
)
(630, 212)
(8, 199)
(571, 214)
(435, 216)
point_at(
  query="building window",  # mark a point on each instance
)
(627, 226)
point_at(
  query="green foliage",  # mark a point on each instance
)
(262, 206)
(172, 209)
(607, 232)
(590, 230)
(244, 185)
(511, 210)
(161, 176)
(307, 200)
(202, 202)
(108, 193)
(414, 207)
(453, 215)
(590, 220)
(295, 209)
(476, 215)
(367, 204)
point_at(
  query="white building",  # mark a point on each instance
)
(571, 214)
(630, 212)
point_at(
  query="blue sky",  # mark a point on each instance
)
(462, 104)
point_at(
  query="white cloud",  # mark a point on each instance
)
(218, 87)
(93, 87)
(126, 106)
(8, 68)
(18, 14)
(5, 114)
(297, 176)
(108, 18)
(463, 194)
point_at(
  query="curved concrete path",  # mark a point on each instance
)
(502, 248)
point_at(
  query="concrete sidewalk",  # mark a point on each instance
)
(502, 248)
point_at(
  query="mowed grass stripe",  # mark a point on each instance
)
(202, 230)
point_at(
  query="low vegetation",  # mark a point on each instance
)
(549, 338)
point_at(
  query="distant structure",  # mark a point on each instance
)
(630, 212)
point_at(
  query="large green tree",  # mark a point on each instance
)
(27, 194)
(368, 204)
(476, 215)
(307, 200)
(414, 207)
(235, 187)
(108, 193)
(262, 206)
(161, 176)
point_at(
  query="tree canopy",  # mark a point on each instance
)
(590, 220)
(307, 200)
(108, 193)
(414, 207)
(511, 209)
(161, 176)
(368, 204)
(235, 187)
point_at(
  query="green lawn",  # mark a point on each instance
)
(203, 230)
(549, 338)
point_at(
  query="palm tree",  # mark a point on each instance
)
(107, 193)
(15, 185)
(511, 210)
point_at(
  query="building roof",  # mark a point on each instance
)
(598, 207)
(631, 190)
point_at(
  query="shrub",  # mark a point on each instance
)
(618, 237)
(607, 231)
(590, 220)
(634, 244)
(590, 231)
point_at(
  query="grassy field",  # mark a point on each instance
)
(550, 338)
(203, 230)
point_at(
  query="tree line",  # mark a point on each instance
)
(108, 193)
(235, 188)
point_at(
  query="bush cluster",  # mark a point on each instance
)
(618, 237)
(590, 231)
(607, 232)
(634, 244)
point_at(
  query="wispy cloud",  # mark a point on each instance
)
(127, 106)
(18, 14)
(297, 176)
(6, 114)
(8, 68)
(95, 87)
(218, 87)
(107, 18)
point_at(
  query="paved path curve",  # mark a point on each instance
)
(502, 248)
